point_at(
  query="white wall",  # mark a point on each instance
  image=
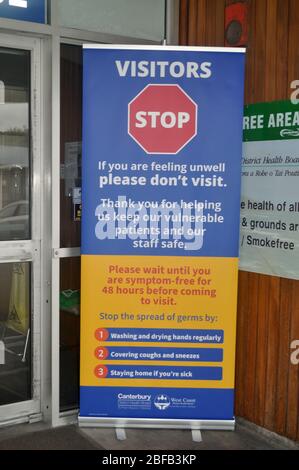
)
(142, 19)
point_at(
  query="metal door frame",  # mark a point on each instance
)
(29, 250)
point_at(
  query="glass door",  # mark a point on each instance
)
(20, 228)
(70, 223)
(66, 226)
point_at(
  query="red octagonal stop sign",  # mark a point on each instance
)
(162, 119)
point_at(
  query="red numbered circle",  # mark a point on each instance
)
(101, 353)
(101, 334)
(101, 371)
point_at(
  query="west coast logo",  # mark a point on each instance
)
(162, 402)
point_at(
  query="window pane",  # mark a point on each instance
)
(15, 337)
(69, 332)
(133, 18)
(71, 136)
(14, 143)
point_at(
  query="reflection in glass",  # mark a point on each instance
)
(69, 332)
(71, 148)
(15, 338)
(14, 144)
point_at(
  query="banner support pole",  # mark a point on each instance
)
(120, 434)
(165, 24)
(196, 435)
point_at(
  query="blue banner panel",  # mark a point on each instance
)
(196, 186)
(24, 10)
(156, 403)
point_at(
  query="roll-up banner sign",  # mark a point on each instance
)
(162, 148)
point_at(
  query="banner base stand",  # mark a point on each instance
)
(121, 423)
(196, 435)
(120, 434)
